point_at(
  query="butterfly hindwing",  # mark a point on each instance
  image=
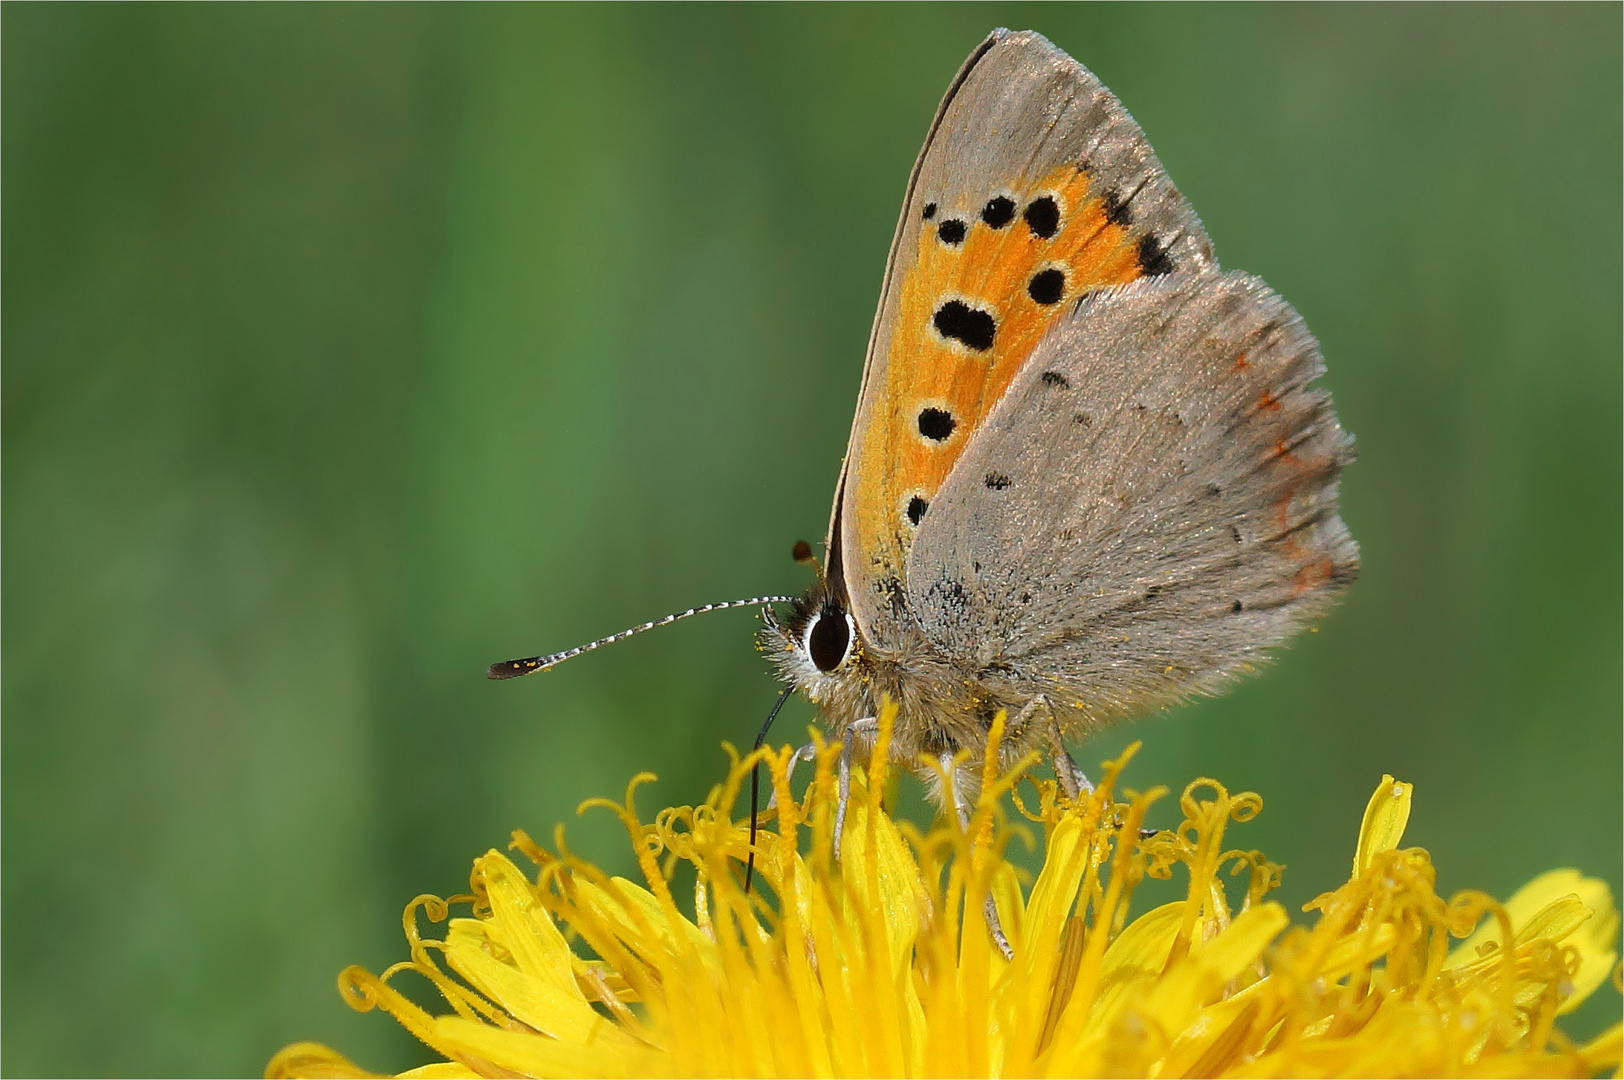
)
(1152, 505)
(1034, 187)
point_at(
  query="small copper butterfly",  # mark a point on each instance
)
(1089, 474)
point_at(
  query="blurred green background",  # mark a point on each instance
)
(351, 348)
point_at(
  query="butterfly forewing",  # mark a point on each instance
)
(1034, 188)
(1151, 505)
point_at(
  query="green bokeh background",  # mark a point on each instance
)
(350, 348)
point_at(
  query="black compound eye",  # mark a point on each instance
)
(828, 639)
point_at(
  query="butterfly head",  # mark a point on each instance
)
(815, 646)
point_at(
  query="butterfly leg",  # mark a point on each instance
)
(805, 753)
(961, 807)
(1072, 781)
(1069, 773)
(864, 728)
(1066, 770)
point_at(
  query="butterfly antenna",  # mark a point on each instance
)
(755, 786)
(512, 669)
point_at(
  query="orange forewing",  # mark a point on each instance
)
(991, 270)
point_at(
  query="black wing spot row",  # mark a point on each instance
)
(1042, 217)
(936, 424)
(969, 326)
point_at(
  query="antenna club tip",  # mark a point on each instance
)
(512, 669)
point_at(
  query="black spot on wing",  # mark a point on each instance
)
(1153, 258)
(997, 481)
(998, 212)
(1054, 378)
(963, 323)
(1116, 211)
(951, 232)
(1236, 606)
(1047, 286)
(936, 424)
(916, 510)
(929, 211)
(1042, 216)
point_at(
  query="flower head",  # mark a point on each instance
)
(883, 963)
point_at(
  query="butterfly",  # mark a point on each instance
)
(1089, 474)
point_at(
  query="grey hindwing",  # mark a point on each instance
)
(1019, 109)
(1150, 506)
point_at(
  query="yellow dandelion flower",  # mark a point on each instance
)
(882, 963)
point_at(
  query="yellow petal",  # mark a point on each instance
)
(1356, 950)
(884, 881)
(1065, 860)
(1604, 1051)
(881, 908)
(1006, 893)
(1137, 956)
(1201, 975)
(519, 924)
(441, 1070)
(1084, 1042)
(560, 1012)
(528, 1055)
(314, 1061)
(637, 918)
(1562, 906)
(1211, 1041)
(1385, 817)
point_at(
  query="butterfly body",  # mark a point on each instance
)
(1088, 475)
(947, 705)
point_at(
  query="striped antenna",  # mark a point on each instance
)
(512, 669)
